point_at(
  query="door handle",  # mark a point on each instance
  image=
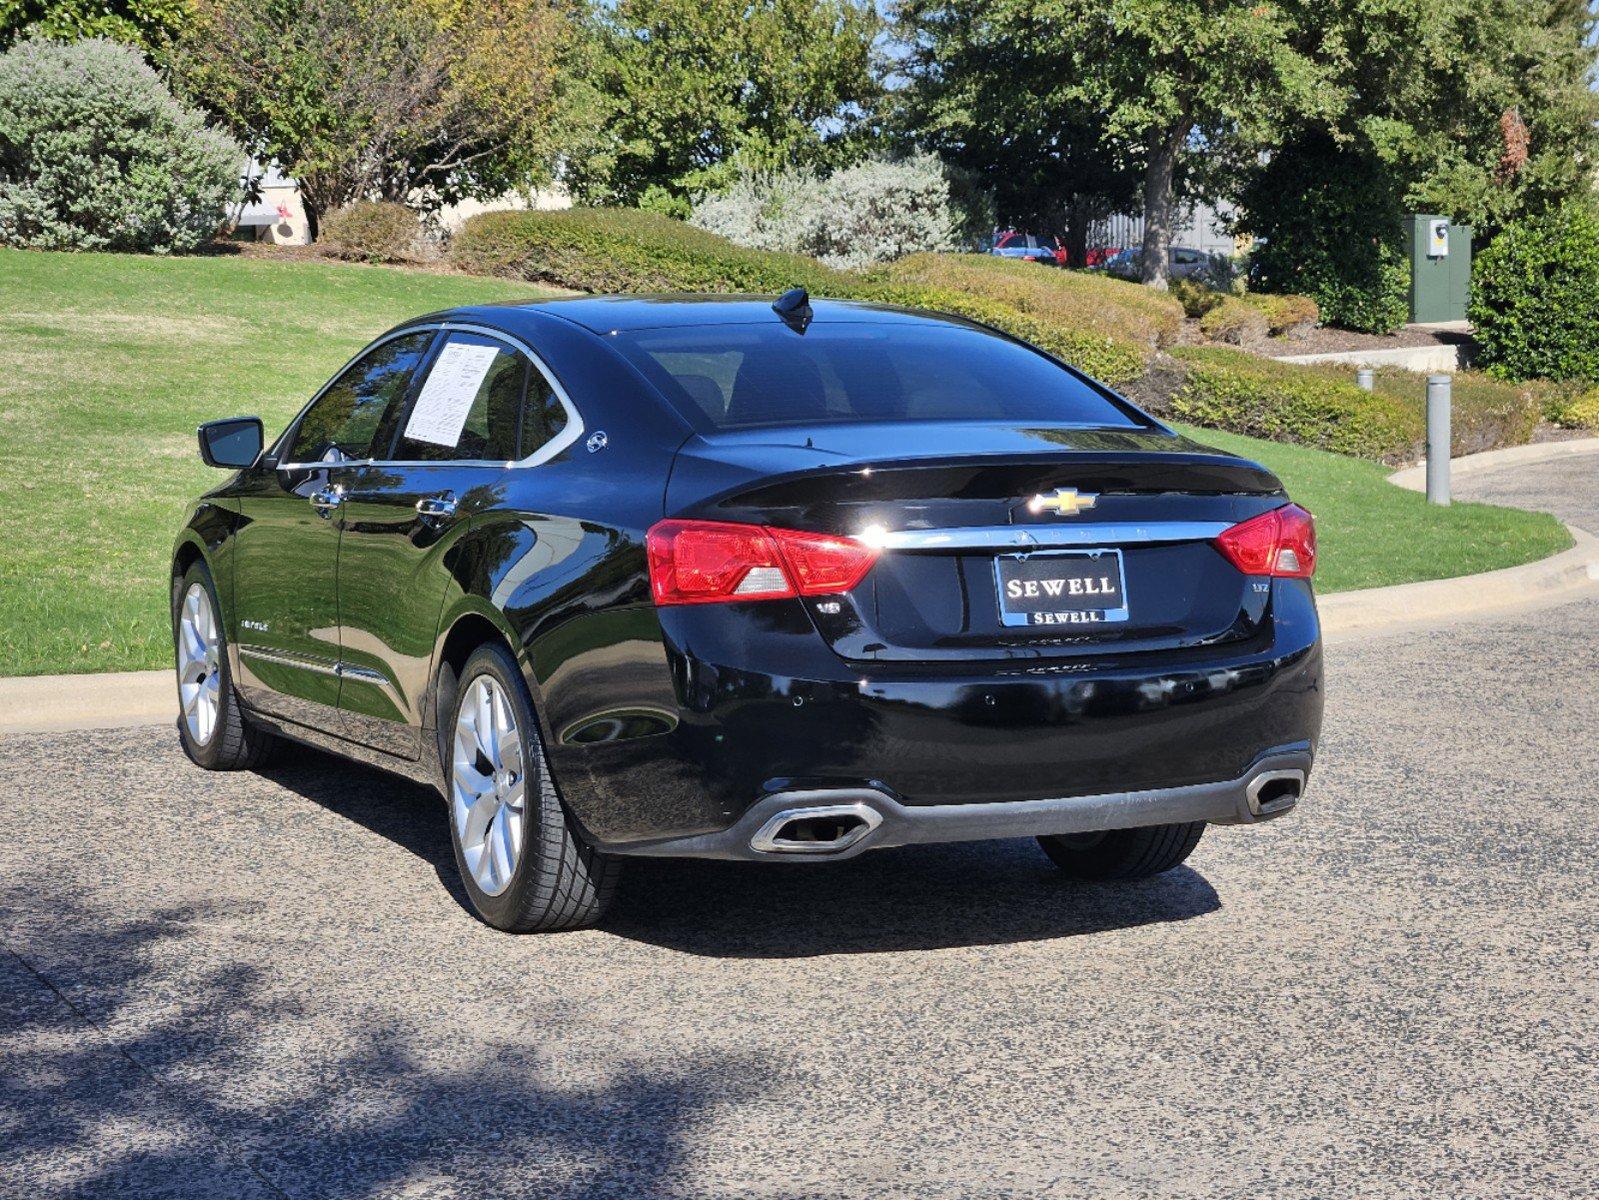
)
(436, 507)
(326, 500)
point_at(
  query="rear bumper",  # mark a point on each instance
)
(874, 820)
(758, 707)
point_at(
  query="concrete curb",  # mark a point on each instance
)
(114, 700)
(1415, 478)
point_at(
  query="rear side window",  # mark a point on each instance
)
(358, 409)
(740, 376)
(469, 405)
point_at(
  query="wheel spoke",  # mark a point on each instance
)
(499, 840)
(483, 723)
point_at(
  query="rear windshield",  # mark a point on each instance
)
(739, 376)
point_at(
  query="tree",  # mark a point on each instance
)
(147, 24)
(1479, 110)
(991, 95)
(417, 101)
(1182, 78)
(688, 91)
(1151, 86)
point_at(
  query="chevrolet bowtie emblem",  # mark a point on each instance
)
(1063, 502)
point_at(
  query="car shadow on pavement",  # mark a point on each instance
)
(133, 1066)
(911, 898)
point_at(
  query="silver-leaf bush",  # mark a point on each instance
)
(875, 212)
(95, 154)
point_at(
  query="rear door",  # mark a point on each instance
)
(482, 407)
(287, 547)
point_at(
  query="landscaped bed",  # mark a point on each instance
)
(108, 362)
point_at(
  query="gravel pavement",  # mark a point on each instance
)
(267, 985)
(1567, 487)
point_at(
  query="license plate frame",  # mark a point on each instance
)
(1054, 618)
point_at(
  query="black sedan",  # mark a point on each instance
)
(725, 578)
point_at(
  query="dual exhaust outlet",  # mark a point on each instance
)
(834, 830)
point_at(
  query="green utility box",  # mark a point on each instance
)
(1440, 268)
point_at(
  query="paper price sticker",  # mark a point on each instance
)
(446, 399)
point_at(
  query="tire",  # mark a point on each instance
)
(212, 727)
(522, 863)
(1122, 854)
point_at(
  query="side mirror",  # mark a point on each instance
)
(233, 442)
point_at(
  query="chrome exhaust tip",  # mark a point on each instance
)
(1272, 793)
(825, 829)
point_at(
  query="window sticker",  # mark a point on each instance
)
(452, 385)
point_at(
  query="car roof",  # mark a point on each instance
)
(606, 314)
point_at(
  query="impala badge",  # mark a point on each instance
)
(1063, 502)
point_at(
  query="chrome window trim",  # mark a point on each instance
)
(568, 436)
(1032, 537)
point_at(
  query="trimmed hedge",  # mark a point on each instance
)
(1112, 308)
(1228, 389)
(1236, 323)
(377, 231)
(626, 250)
(1285, 315)
(1485, 413)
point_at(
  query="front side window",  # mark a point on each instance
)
(738, 376)
(470, 405)
(358, 409)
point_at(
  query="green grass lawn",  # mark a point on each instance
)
(108, 362)
(1371, 533)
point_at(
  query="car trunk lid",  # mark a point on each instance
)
(1000, 541)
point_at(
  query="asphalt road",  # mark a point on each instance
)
(267, 985)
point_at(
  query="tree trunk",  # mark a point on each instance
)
(1159, 208)
(1075, 237)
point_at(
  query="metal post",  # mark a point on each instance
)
(1438, 388)
(1365, 379)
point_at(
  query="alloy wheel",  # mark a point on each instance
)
(488, 786)
(199, 664)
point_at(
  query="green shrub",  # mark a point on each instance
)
(1234, 322)
(1578, 410)
(95, 154)
(1329, 216)
(1535, 298)
(1242, 393)
(377, 231)
(1196, 298)
(1285, 316)
(625, 250)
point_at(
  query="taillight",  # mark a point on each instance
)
(1281, 542)
(713, 562)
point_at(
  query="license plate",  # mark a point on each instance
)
(1072, 587)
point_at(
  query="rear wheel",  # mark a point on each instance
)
(211, 725)
(523, 865)
(1117, 854)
